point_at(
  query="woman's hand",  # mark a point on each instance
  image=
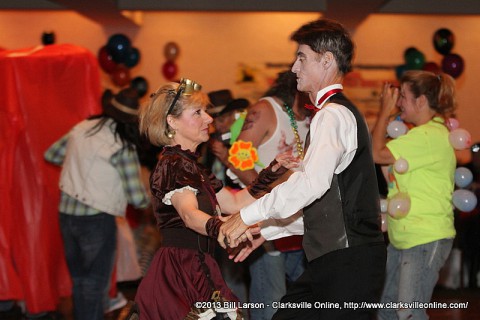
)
(286, 159)
(241, 252)
(388, 98)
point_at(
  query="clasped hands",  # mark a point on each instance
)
(238, 238)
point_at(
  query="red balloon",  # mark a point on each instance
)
(169, 70)
(432, 67)
(121, 76)
(452, 64)
(105, 60)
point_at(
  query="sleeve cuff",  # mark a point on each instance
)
(250, 216)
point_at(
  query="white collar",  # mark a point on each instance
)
(325, 90)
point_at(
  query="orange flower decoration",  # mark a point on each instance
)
(242, 155)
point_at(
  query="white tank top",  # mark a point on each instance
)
(283, 137)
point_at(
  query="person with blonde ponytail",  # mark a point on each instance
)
(421, 241)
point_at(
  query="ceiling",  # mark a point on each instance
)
(349, 12)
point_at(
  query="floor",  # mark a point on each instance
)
(449, 296)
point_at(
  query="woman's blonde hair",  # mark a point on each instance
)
(153, 115)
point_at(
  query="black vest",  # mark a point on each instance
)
(348, 214)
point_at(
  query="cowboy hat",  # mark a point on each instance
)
(123, 106)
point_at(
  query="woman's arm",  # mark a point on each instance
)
(231, 202)
(186, 204)
(381, 154)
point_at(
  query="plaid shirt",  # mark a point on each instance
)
(127, 164)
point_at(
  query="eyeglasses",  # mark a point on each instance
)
(186, 88)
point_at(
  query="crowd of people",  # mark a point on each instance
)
(300, 226)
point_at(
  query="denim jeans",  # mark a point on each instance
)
(269, 272)
(411, 276)
(294, 264)
(90, 243)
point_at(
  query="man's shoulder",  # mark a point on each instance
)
(261, 105)
(260, 112)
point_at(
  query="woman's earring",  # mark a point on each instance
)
(170, 134)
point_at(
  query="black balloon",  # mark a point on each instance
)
(452, 64)
(443, 41)
(48, 38)
(119, 46)
(133, 56)
(140, 84)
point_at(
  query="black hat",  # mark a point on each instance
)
(236, 104)
(123, 106)
(223, 102)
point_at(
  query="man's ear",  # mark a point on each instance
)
(327, 59)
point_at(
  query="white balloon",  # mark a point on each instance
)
(463, 177)
(384, 225)
(460, 139)
(464, 200)
(399, 205)
(401, 165)
(383, 205)
(396, 128)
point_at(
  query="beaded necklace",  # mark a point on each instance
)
(294, 125)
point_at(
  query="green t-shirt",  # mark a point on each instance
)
(429, 181)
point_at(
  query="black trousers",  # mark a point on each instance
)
(337, 286)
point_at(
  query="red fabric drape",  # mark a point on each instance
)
(44, 92)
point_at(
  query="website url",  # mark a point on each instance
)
(405, 305)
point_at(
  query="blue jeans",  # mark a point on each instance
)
(269, 272)
(294, 264)
(90, 243)
(411, 276)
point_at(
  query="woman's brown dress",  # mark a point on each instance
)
(178, 275)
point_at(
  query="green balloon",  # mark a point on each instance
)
(414, 59)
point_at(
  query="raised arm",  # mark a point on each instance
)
(381, 154)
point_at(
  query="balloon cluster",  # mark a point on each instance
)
(116, 58)
(443, 42)
(463, 199)
(399, 205)
(459, 138)
(396, 207)
(169, 68)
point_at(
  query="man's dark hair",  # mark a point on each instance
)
(327, 35)
(285, 87)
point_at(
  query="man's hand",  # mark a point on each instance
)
(220, 151)
(240, 253)
(232, 231)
